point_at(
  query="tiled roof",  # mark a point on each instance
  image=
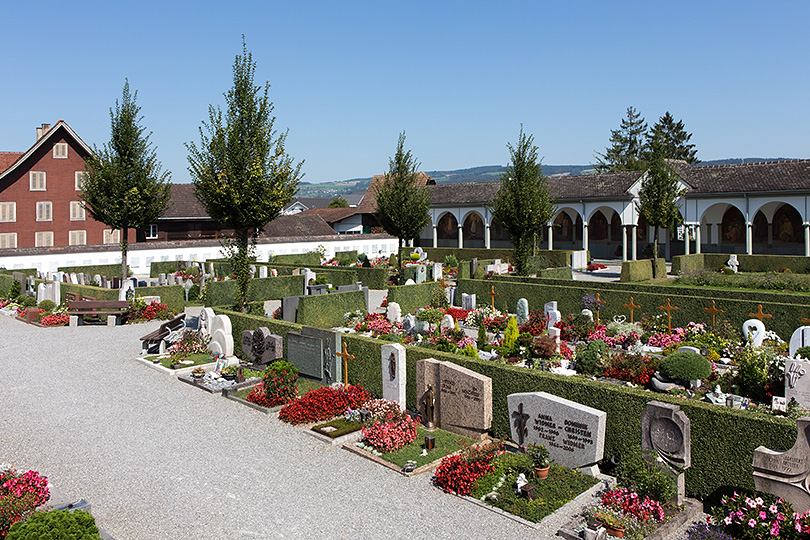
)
(333, 215)
(298, 225)
(791, 175)
(463, 193)
(7, 159)
(183, 204)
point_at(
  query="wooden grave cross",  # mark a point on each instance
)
(632, 307)
(346, 357)
(760, 315)
(599, 304)
(668, 308)
(492, 294)
(714, 311)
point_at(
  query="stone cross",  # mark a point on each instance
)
(632, 307)
(760, 315)
(346, 357)
(668, 308)
(492, 294)
(714, 311)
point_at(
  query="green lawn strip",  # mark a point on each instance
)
(552, 493)
(198, 359)
(342, 426)
(446, 443)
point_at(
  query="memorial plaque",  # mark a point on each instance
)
(463, 398)
(666, 436)
(332, 366)
(289, 308)
(797, 381)
(306, 354)
(786, 474)
(393, 373)
(573, 434)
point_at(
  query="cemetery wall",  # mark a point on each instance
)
(106, 270)
(786, 309)
(748, 263)
(412, 297)
(222, 293)
(642, 270)
(555, 258)
(328, 310)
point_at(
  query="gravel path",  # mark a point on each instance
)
(158, 459)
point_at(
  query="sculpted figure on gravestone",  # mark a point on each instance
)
(430, 407)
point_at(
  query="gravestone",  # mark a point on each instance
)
(221, 336)
(170, 279)
(309, 276)
(204, 321)
(666, 434)
(80, 277)
(552, 314)
(473, 266)
(754, 332)
(187, 287)
(797, 381)
(56, 292)
(97, 279)
(315, 290)
(41, 293)
(330, 343)
(409, 324)
(289, 308)
(104, 283)
(74, 278)
(688, 348)
(421, 273)
(116, 282)
(785, 474)
(733, 263)
(437, 271)
(393, 313)
(554, 333)
(161, 279)
(261, 346)
(211, 269)
(447, 322)
(467, 301)
(142, 283)
(800, 338)
(252, 271)
(522, 311)
(588, 313)
(573, 434)
(306, 354)
(463, 398)
(262, 272)
(127, 291)
(393, 373)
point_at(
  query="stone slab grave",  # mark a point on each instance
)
(786, 474)
(313, 350)
(797, 381)
(261, 346)
(522, 311)
(393, 373)
(467, 301)
(421, 273)
(437, 271)
(667, 434)
(573, 434)
(462, 398)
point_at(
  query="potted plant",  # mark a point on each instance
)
(613, 522)
(540, 459)
(229, 373)
(198, 373)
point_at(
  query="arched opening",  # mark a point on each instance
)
(498, 237)
(616, 229)
(787, 226)
(732, 227)
(563, 228)
(473, 231)
(597, 228)
(447, 231)
(760, 229)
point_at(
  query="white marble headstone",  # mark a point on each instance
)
(799, 339)
(448, 322)
(754, 332)
(393, 373)
(394, 313)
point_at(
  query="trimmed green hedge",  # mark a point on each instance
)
(168, 267)
(372, 277)
(564, 272)
(642, 270)
(352, 254)
(244, 321)
(26, 271)
(307, 259)
(327, 310)
(88, 290)
(106, 270)
(553, 258)
(223, 293)
(787, 309)
(748, 263)
(412, 297)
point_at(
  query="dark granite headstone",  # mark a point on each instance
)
(289, 308)
(331, 342)
(116, 282)
(306, 354)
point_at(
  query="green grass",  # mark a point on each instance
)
(199, 359)
(446, 443)
(343, 427)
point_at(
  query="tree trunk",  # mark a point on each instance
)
(241, 268)
(655, 255)
(124, 246)
(400, 257)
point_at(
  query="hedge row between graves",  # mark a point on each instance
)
(26, 271)
(223, 293)
(748, 263)
(553, 258)
(174, 296)
(106, 270)
(412, 297)
(351, 255)
(5, 283)
(642, 270)
(170, 267)
(786, 309)
(307, 259)
(372, 277)
(328, 310)
(244, 321)
(723, 439)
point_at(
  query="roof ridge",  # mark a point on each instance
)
(755, 163)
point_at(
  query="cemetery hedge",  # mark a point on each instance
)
(223, 293)
(642, 270)
(164, 267)
(106, 270)
(412, 297)
(563, 272)
(5, 283)
(351, 255)
(26, 271)
(307, 259)
(555, 258)
(373, 278)
(328, 310)
(723, 439)
(787, 309)
(748, 263)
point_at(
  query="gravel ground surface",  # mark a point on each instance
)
(159, 459)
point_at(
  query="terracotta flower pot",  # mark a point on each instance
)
(541, 472)
(617, 532)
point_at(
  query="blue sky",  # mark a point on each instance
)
(458, 77)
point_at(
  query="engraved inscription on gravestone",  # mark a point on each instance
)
(306, 354)
(666, 432)
(786, 474)
(332, 367)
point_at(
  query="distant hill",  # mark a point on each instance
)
(488, 173)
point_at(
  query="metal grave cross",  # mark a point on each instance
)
(492, 294)
(760, 315)
(632, 307)
(668, 308)
(346, 357)
(714, 311)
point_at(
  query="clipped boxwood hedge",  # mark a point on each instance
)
(328, 310)
(223, 293)
(412, 297)
(748, 263)
(351, 255)
(307, 259)
(168, 267)
(106, 270)
(372, 277)
(26, 271)
(642, 270)
(554, 258)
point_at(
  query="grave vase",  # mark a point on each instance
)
(617, 532)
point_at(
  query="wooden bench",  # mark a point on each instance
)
(83, 308)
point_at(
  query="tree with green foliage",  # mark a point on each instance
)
(402, 205)
(241, 171)
(338, 202)
(659, 194)
(628, 146)
(123, 186)
(523, 204)
(674, 139)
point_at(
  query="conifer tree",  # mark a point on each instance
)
(628, 146)
(241, 171)
(124, 186)
(523, 204)
(674, 139)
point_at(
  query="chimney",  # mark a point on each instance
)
(42, 130)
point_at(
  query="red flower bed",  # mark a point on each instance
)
(458, 314)
(392, 433)
(259, 396)
(20, 494)
(324, 403)
(456, 474)
(630, 502)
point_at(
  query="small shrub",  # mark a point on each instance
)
(510, 335)
(397, 431)
(686, 365)
(804, 352)
(392, 260)
(15, 289)
(450, 261)
(279, 383)
(760, 517)
(589, 359)
(482, 336)
(47, 305)
(645, 476)
(29, 301)
(62, 524)
(539, 454)
(543, 347)
(438, 297)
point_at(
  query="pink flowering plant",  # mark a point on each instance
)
(754, 518)
(664, 340)
(394, 432)
(643, 508)
(20, 494)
